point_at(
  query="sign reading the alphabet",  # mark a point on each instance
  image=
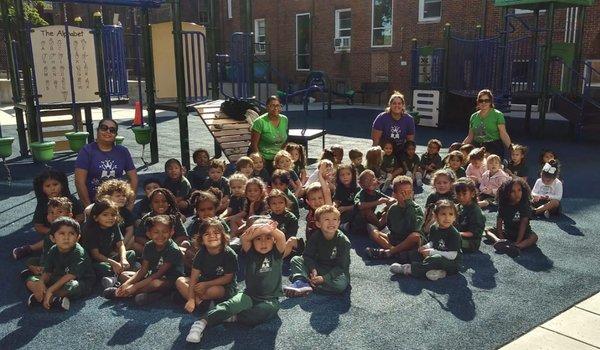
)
(49, 46)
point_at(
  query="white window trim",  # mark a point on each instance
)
(229, 9)
(372, 22)
(422, 18)
(298, 15)
(256, 21)
(526, 12)
(337, 23)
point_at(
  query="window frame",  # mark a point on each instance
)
(257, 42)
(373, 22)
(337, 23)
(297, 55)
(423, 19)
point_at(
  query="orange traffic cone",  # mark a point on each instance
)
(137, 120)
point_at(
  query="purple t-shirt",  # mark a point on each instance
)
(395, 130)
(102, 166)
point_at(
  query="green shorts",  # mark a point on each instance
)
(73, 288)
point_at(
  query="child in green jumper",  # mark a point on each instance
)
(404, 220)
(325, 264)
(67, 272)
(263, 245)
(162, 264)
(439, 257)
(470, 222)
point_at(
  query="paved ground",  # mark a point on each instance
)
(493, 301)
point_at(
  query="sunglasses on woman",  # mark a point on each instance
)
(110, 129)
(483, 100)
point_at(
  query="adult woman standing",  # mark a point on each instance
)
(269, 132)
(487, 126)
(394, 124)
(102, 160)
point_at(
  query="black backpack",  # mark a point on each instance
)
(236, 108)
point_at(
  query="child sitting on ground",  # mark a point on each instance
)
(356, 158)
(466, 150)
(120, 193)
(476, 166)
(431, 160)
(513, 232)
(200, 172)
(286, 221)
(442, 255)
(283, 160)
(374, 158)
(410, 163)
(244, 166)
(49, 184)
(161, 265)
(517, 166)
(389, 165)
(68, 272)
(491, 180)
(162, 202)
(443, 180)
(103, 240)
(545, 157)
(343, 198)
(338, 155)
(324, 168)
(299, 157)
(280, 180)
(234, 214)
(215, 179)
(178, 184)
(454, 162)
(325, 264)
(548, 190)
(470, 222)
(263, 245)
(369, 197)
(404, 220)
(259, 167)
(142, 207)
(317, 195)
(213, 270)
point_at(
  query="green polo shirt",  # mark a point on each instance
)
(486, 129)
(271, 138)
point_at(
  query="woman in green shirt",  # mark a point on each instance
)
(269, 132)
(487, 126)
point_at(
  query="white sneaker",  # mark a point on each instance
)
(402, 269)
(419, 179)
(195, 333)
(434, 275)
(108, 282)
(547, 214)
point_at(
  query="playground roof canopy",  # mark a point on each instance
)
(134, 3)
(541, 4)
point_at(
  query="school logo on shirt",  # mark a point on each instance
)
(463, 222)
(517, 217)
(219, 271)
(67, 270)
(108, 168)
(395, 132)
(333, 253)
(442, 244)
(160, 263)
(266, 266)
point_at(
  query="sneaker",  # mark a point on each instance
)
(547, 214)
(32, 301)
(401, 269)
(419, 182)
(235, 242)
(376, 253)
(107, 282)
(147, 298)
(501, 246)
(25, 274)
(434, 275)
(110, 293)
(195, 333)
(21, 252)
(299, 288)
(62, 302)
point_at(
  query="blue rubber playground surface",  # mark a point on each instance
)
(492, 301)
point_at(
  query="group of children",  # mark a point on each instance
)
(187, 231)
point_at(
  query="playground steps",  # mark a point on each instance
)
(57, 122)
(233, 136)
(580, 111)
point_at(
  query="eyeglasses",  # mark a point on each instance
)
(110, 129)
(274, 106)
(484, 100)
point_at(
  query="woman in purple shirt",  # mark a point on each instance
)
(394, 124)
(102, 160)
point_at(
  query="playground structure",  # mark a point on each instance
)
(523, 64)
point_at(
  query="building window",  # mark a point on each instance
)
(381, 23)
(303, 41)
(430, 10)
(343, 29)
(260, 36)
(229, 9)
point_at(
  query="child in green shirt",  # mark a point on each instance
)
(67, 272)
(286, 221)
(470, 222)
(263, 245)
(325, 264)
(404, 220)
(162, 264)
(369, 197)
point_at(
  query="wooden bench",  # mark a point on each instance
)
(373, 88)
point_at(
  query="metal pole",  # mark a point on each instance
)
(149, 78)
(577, 62)
(31, 112)
(70, 66)
(102, 90)
(213, 47)
(545, 81)
(14, 77)
(182, 113)
(444, 98)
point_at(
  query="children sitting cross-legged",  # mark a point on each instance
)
(431, 160)
(410, 163)
(103, 240)
(547, 191)
(280, 180)
(477, 165)
(161, 265)
(68, 272)
(317, 195)
(263, 245)
(237, 202)
(343, 198)
(299, 157)
(369, 197)
(454, 162)
(442, 255)
(470, 222)
(325, 264)
(517, 166)
(200, 172)
(283, 160)
(215, 179)
(286, 221)
(443, 181)
(213, 269)
(491, 180)
(142, 207)
(404, 220)
(513, 232)
(120, 193)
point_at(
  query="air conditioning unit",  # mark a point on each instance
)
(342, 44)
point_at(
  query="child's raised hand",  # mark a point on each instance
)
(190, 305)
